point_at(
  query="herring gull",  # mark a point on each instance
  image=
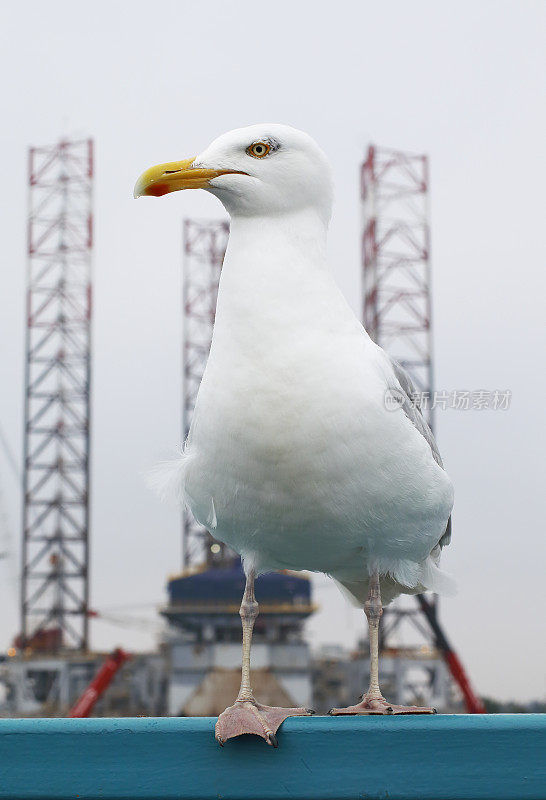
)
(295, 458)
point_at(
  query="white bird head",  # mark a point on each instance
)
(259, 170)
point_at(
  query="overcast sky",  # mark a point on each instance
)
(154, 82)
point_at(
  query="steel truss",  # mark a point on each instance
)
(396, 289)
(396, 261)
(397, 315)
(55, 551)
(204, 248)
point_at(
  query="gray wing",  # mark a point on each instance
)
(415, 415)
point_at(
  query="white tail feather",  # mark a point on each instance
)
(403, 577)
(436, 580)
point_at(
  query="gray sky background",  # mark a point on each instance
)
(153, 82)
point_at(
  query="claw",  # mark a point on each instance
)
(220, 741)
(272, 740)
(311, 711)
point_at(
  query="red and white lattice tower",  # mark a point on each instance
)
(396, 283)
(204, 249)
(397, 315)
(55, 551)
(396, 261)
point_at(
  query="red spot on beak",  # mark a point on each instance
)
(158, 189)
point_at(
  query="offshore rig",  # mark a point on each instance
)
(50, 670)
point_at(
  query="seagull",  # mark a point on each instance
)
(305, 451)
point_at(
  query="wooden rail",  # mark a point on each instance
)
(498, 757)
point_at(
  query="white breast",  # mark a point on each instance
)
(292, 451)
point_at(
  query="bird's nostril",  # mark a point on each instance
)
(170, 171)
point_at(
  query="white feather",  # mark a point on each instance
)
(166, 480)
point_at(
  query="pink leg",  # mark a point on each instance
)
(246, 715)
(373, 701)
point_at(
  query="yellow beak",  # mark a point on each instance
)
(177, 175)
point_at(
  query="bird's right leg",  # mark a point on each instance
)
(373, 701)
(246, 715)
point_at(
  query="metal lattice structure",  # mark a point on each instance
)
(55, 551)
(396, 287)
(396, 261)
(204, 249)
(397, 315)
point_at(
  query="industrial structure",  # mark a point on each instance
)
(204, 246)
(49, 664)
(71, 683)
(204, 640)
(50, 671)
(55, 548)
(396, 262)
(397, 313)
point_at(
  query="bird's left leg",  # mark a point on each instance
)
(373, 701)
(246, 715)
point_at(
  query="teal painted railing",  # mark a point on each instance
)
(499, 757)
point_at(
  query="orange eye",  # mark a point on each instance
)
(258, 149)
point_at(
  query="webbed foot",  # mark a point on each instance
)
(249, 716)
(378, 705)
